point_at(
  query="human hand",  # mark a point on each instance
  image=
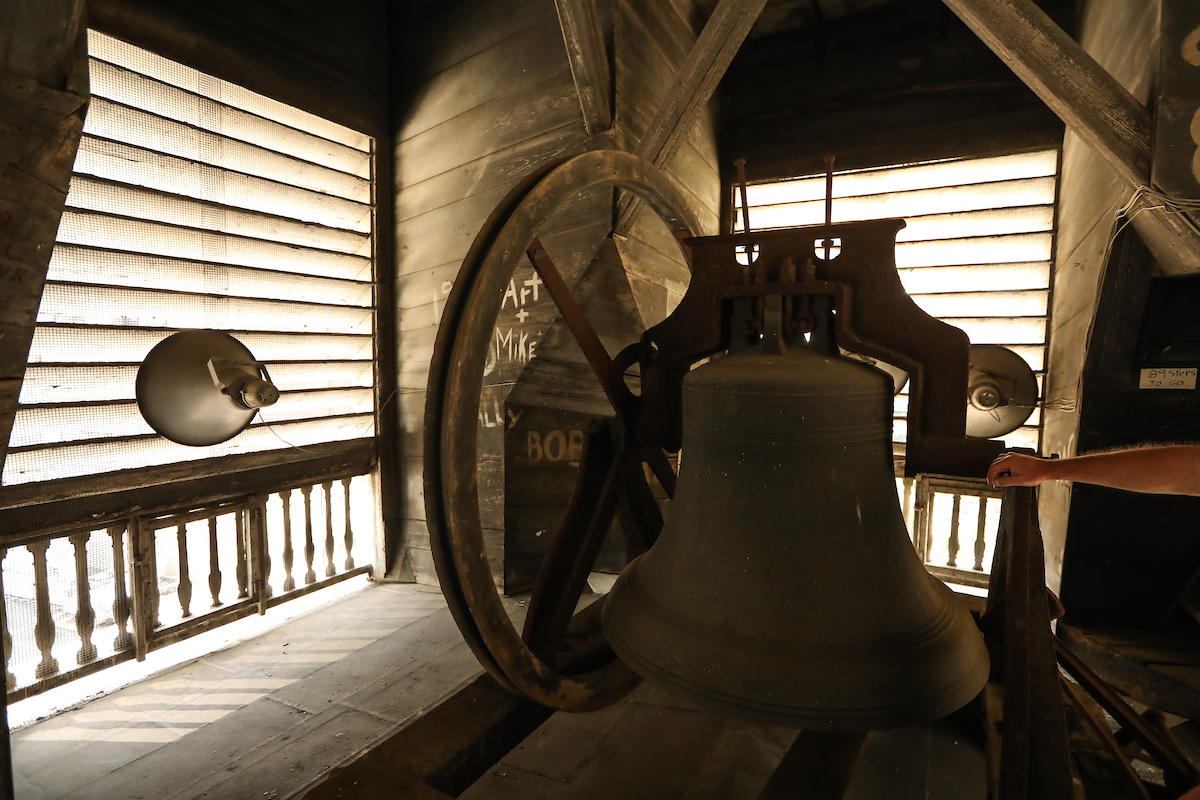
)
(1015, 469)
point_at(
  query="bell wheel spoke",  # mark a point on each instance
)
(585, 335)
(603, 476)
(641, 518)
(660, 465)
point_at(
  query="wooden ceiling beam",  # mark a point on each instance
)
(584, 38)
(695, 83)
(1093, 104)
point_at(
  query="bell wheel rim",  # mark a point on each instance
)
(452, 402)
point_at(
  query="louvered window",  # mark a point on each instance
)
(199, 204)
(976, 251)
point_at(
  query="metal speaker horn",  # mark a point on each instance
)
(1002, 391)
(784, 587)
(202, 387)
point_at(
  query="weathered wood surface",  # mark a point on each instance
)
(583, 34)
(693, 85)
(698, 77)
(1092, 103)
(1035, 759)
(36, 509)
(453, 744)
(44, 94)
(1139, 663)
(44, 91)
(485, 97)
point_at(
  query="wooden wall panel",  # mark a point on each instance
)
(652, 41)
(483, 95)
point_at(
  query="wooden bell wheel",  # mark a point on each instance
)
(610, 481)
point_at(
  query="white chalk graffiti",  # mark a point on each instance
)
(513, 345)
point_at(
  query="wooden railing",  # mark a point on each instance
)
(953, 523)
(78, 600)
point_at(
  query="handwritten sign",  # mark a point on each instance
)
(1168, 378)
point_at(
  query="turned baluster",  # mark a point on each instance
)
(10, 680)
(214, 565)
(952, 560)
(44, 631)
(349, 537)
(85, 617)
(260, 554)
(184, 592)
(330, 569)
(310, 549)
(289, 583)
(243, 577)
(981, 534)
(120, 607)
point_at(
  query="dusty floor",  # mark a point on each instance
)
(268, 717)
(262, 719)
(654, 747)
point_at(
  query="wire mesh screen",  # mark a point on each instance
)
(66, 603)
(976, 250)
(198, 204)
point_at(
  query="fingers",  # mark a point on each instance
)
(1015, 469)
(1000, 473)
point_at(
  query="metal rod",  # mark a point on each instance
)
(741, 171)
(828, 204)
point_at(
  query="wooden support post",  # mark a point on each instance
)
(718, 43)
(588, 58)
(1035, 760)
(1092, 103)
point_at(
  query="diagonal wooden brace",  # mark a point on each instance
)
(1093, 104)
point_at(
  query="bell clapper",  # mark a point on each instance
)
(773, 338)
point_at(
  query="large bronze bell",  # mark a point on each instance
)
(784, 587)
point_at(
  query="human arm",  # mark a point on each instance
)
(1171, 469)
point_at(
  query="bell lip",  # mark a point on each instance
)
(931, 705)
(949, 616)
(813, 718)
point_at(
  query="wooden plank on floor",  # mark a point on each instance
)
(1160, 655)
(455, 743)
(1138, 637)
(1147, 685)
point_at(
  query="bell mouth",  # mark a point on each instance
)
(784, 587)
(894, 683)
